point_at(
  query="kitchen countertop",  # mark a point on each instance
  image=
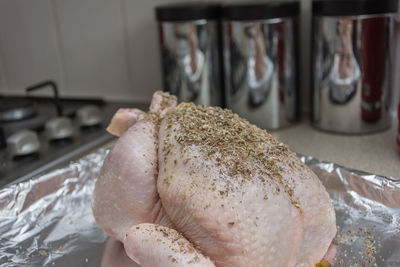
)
(374, 153)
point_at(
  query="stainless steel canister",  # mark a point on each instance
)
(260, 59)
(352, 65)
(191, 57)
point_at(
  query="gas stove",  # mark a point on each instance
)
(40, 133)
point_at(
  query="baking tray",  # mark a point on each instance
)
(47, 220)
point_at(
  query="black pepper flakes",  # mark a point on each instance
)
(239, 149)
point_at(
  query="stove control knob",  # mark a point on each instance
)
(89, 115)
(59, 128)
(23, 142)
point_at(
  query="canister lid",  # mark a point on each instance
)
(188, 11)
(353, 7)
(257, 11)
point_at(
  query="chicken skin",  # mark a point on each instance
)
(225, 188)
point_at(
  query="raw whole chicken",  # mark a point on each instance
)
(189, 185)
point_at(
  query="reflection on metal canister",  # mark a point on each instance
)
(260, 56)
(345, 72)
(190, 52)
(373, 58)
(351, 70)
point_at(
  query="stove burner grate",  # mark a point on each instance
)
(16, 109)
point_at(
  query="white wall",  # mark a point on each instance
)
(91, 47)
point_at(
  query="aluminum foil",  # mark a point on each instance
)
(47, 221)
(367, 214)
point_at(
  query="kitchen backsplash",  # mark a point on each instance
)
(92, 47)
